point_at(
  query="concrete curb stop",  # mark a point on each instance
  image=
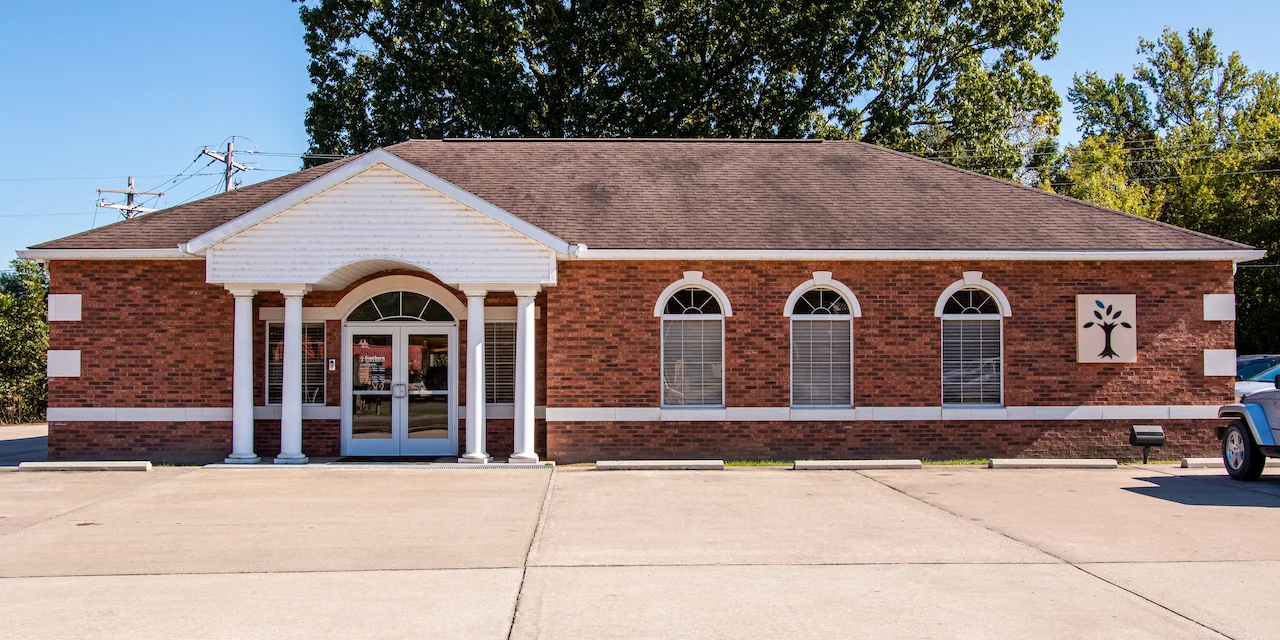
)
(105, 465)
(1051, 463)
(660, 465)
(854, 465)
(1201, 463)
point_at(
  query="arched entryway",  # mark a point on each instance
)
(400, 376)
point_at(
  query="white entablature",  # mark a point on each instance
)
(375, 213)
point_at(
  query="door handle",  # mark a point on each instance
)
(399, 390)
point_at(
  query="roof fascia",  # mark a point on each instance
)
(1215, 255)
(105, 254)
(329, 180)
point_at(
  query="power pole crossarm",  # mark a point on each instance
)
(223, 159)
(128, 209)
(229, 160)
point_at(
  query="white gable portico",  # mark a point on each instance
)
(375, 213)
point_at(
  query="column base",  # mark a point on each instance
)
(242, 458)
(475, 458)
(523, 458)
(291, 458)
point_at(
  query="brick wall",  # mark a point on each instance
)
(604, 346)
(571, 442)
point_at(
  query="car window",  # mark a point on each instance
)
(1251, 369)
(1267, 374)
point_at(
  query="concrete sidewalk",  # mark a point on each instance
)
(947, 552)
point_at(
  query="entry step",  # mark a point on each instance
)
(103, 465)
(1201, 463)
(660, 465)
(1052, 463)
(855, 465)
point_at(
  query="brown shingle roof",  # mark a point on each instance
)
(673, 194)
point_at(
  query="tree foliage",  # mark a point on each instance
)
(933, 76)
(24, 341)
(1192, 139)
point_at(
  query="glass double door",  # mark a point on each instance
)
(400, 382)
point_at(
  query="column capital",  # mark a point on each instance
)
(474, 292)
(527, 291)
(294, 291)
(242, 292)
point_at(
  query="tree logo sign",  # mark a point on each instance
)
(1105, 328)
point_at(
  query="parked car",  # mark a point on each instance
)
(1260, 381)
(1250, 366)
(1251, 436)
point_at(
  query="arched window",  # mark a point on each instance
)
(972, 346)
(692, 348)
(821, 349)
(400, 306)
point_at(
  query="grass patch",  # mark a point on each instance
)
(758, 463)
(957, 462)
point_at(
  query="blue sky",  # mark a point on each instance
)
(99, 90)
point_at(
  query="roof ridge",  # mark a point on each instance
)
(1054, 194)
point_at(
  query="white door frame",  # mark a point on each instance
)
(400, 332)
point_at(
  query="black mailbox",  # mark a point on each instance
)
(1146, 436)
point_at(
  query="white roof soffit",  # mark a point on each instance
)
(1221, 255)
(199, 244)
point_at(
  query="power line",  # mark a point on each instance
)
(944, 156)
(1181, 177)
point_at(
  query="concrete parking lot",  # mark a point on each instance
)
(947, 552)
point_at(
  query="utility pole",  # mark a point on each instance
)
(129, 209)
(228, 160)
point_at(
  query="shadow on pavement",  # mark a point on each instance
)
(1211, 491)
(18, 450)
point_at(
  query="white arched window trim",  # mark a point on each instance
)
(973, 279)
(693, 279)
(822, 280)
(358, 295)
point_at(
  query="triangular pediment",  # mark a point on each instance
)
(378, 210)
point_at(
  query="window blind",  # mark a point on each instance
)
(692, 362)
(500, 362)
(820, 363)
(313, 362)
(971, 366)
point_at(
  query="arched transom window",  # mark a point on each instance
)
(400, 306)
(972, 349)
(821, 349)
(692, 349)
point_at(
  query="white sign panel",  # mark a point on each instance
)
(1106, 328)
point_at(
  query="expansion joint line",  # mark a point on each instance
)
(533, 547)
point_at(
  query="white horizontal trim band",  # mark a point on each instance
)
(105, 254)
(223, 414)
(139, 414)
(836, 414)
(1224, 255)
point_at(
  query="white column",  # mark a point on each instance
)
(242, 387)
(475, 378)
(291, 383)
(524, 447)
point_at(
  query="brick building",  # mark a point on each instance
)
(732, 299)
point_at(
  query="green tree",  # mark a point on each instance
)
(24, 341)
(930, 77)
(1190, 139)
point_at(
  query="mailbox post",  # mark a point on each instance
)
(1146, 436)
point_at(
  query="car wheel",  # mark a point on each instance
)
(1240, 453)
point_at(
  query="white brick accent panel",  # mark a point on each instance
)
(64, 363)
(1220, 306)
(64, 307)
(1220, 362)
